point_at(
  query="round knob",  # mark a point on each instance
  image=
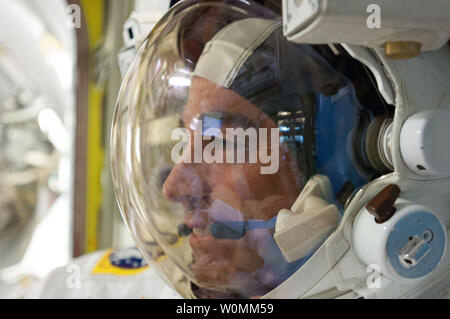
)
(382, 205)
(408, 246)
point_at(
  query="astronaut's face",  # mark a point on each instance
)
(211, 192)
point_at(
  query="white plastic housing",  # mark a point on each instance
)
(351, 22)
(370, 239)
(309, 222)
(425, 142)
(138, 26)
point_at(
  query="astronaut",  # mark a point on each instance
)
(283, 169)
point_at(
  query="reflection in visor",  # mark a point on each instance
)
(229, 229)
(237, 230)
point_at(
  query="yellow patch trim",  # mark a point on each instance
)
(104, 267)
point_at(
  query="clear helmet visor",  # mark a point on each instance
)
(224, 134)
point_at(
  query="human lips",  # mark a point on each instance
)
(198, 223)
(202, 242)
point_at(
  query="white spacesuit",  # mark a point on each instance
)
(294, 157)
(110, 274)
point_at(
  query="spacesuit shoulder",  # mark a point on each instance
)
(107, 274)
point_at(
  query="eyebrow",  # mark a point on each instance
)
(227, 119)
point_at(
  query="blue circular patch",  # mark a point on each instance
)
(127, 259)
(423, 225)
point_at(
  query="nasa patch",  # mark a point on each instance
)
(123, 263)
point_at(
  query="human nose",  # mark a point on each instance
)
(184, 183)
(177, 185)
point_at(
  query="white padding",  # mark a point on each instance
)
(309, 222)
(425, 142)
(241, 39)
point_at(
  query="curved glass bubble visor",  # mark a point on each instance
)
(206, 219)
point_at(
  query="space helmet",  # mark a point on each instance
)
(235, 152)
